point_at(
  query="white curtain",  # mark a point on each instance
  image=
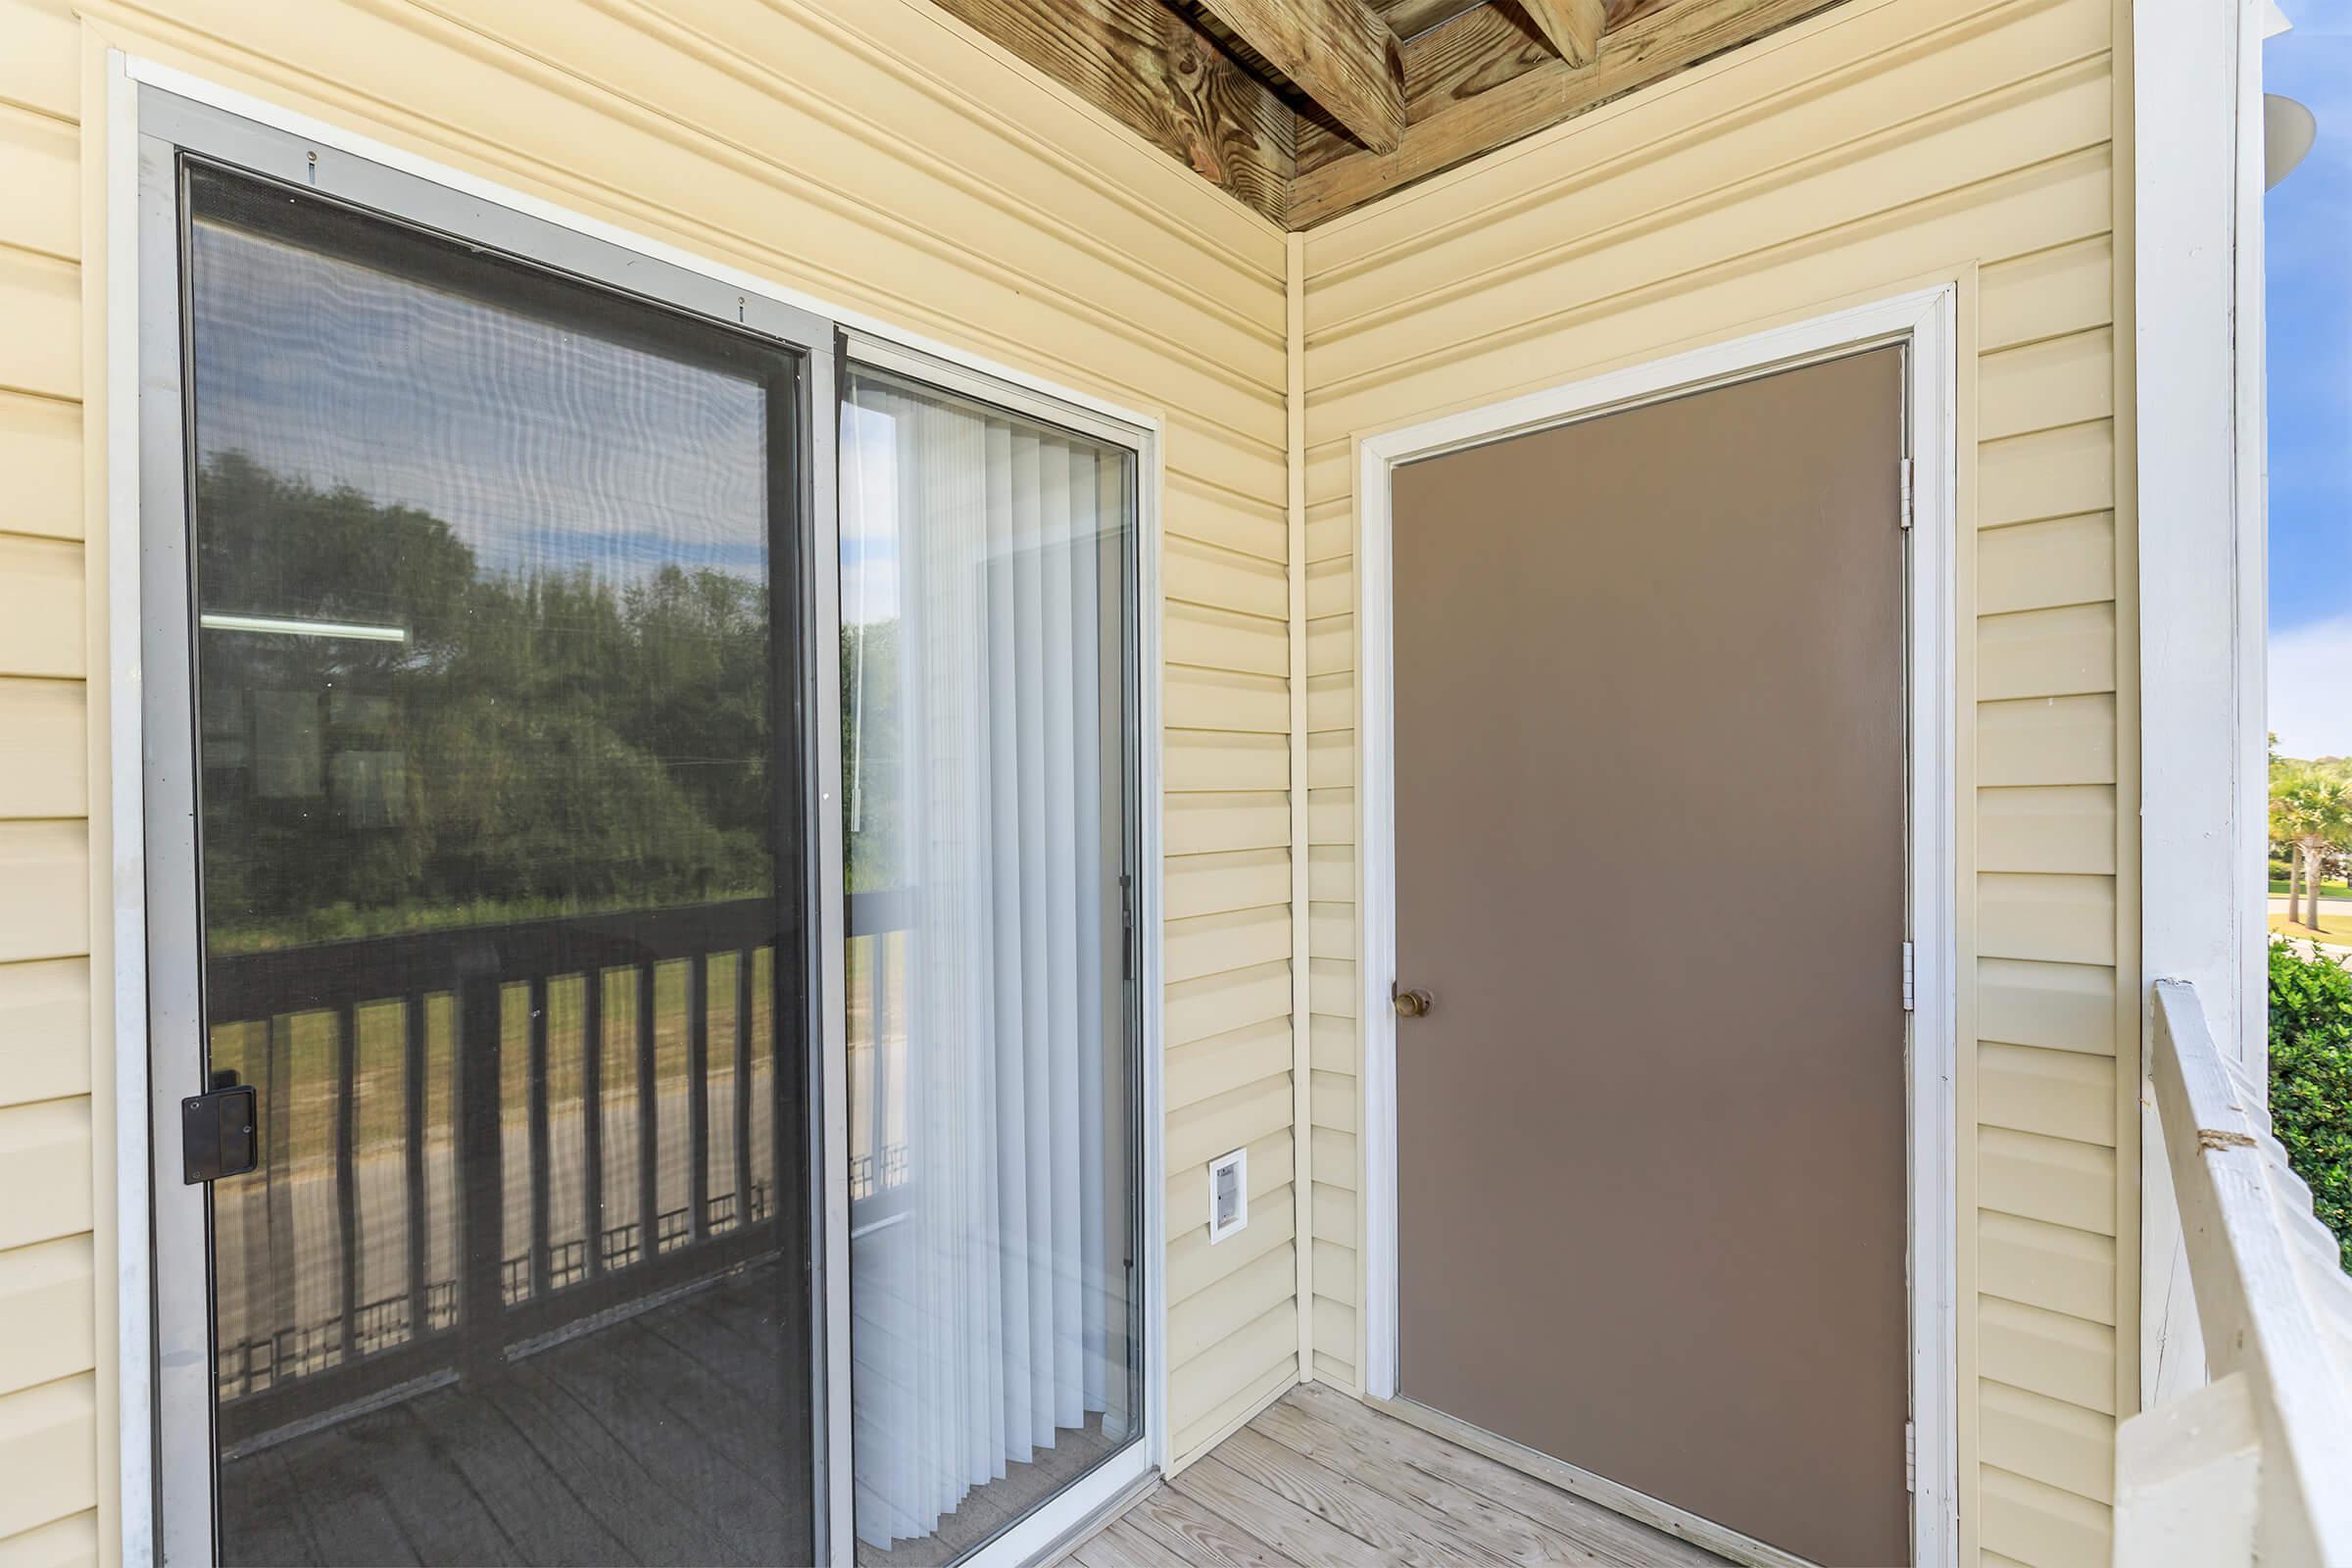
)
(989, 1270)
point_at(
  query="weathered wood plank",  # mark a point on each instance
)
(1489, 1527)
(1613, 1535)
(1341, 1502)
(1301, 1536)
(1484, 80)
(1199, 1537)
(1410, 17)
(1337, 52)
(1124, 1546)
(1573, 26)
(1158, 74)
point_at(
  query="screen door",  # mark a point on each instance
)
(494, 690)
(1651, 870)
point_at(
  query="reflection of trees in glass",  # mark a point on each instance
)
(540, 743)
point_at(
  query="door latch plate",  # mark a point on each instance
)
(217, 1133)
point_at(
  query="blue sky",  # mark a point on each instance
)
(2310, 307)
(544, 448)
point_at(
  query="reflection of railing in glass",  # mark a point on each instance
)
(409, 1173)
(876, 994)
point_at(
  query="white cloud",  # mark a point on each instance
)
(2311, 689)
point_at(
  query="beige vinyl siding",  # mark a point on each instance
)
(872, 153)
(876, 154)
(1880, 147)
(49, 1317)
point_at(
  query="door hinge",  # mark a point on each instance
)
(1910, 1456)
(1910, 977)
(1907, 504)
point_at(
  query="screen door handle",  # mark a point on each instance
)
(218, 1132)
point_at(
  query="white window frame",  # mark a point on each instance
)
(1926, 321)
(149, 1534)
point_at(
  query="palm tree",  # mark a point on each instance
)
(2311, 813)
(2283, 834)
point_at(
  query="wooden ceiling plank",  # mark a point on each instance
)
(1409, 16)
(1337, 52)
(1573, 25)
(1484, 109)
(1161, 75)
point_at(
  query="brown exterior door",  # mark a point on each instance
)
(1650, 778)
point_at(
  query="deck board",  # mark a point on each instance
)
(1122, 1546)
(1497, 1530)
(1351, 1506)
(657, 1439)
(565, 1460)
(1297, 1533)
(1320, 1478)
(1199, 1537)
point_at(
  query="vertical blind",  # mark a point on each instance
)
(984, 709)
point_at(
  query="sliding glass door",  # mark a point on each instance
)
(642, 833)
(989, 799)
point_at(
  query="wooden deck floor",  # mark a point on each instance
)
(1320, 1479)
(658, 1439)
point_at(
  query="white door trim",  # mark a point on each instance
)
(1926, 321)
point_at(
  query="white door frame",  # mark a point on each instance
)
(1925, 321)
(151, 1413)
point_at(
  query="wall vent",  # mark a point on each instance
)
(1228, 1194)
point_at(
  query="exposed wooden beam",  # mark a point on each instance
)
(1573, 25)
(1337, 52)
(1158, 74)
(1482, 80)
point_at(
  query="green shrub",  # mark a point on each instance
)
(2311, 1079)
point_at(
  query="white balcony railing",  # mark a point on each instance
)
(2255, 1465)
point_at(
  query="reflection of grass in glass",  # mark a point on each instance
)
(308, 1048)
(225, 936)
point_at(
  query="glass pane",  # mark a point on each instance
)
(494, 618)
(992, 1109)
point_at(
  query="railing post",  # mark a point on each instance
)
(877, 1107)
(412, 1110)
(592, 1117)
(541, 1266)
(697, 1096)
(2189, 1481)
(278, 1170)
(347, 1187)
(649, 1116)
(481, 1175)
(742, 1088)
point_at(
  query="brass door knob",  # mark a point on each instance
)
(1413, 1003)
